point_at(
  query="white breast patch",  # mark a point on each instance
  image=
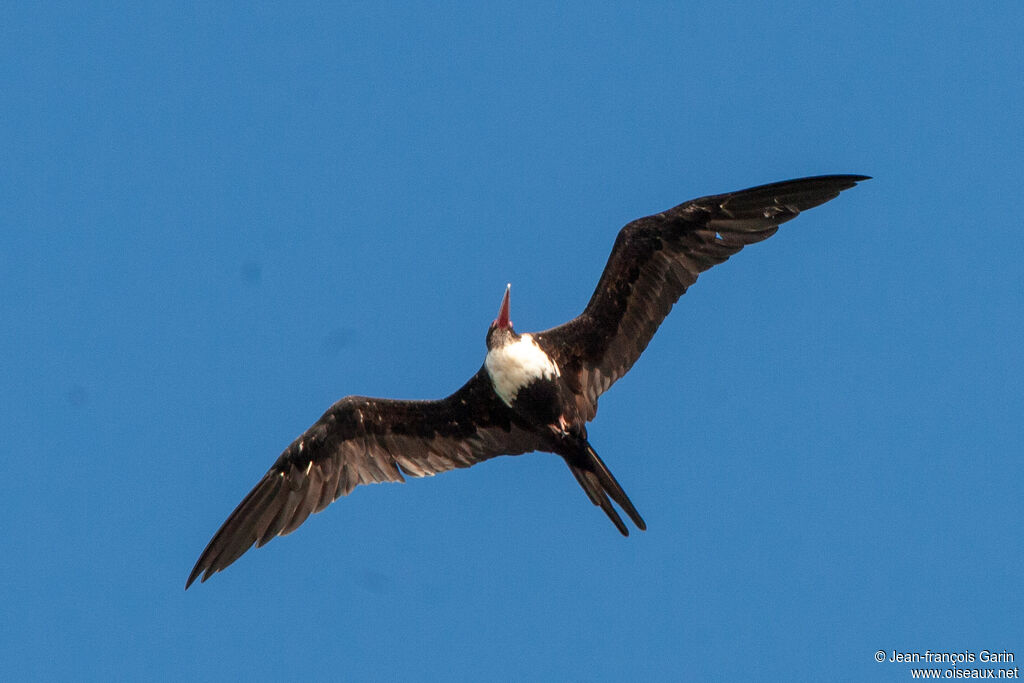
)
(515, 365)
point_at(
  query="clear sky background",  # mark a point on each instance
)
(216, 221)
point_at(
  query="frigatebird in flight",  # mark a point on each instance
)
(535, 392)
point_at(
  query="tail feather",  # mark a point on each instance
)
(598, 483)
(593, 489)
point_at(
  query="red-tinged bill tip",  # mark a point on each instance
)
(503, 319)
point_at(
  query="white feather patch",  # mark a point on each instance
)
(515, 365)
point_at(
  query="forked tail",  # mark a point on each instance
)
(598, 483)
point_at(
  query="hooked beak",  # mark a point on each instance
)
(503, 320)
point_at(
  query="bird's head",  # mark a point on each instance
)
(500, 332)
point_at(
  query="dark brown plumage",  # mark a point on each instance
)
(365, 440)
(655, 259)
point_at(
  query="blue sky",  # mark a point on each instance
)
(215, 221)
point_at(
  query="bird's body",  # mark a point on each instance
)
(517, 365)
(535, 392)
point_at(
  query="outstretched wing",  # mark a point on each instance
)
(363, 440)
(654, 260)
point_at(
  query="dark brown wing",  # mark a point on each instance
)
(363, 440)
(654, 260)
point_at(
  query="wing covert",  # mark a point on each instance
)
(653, 262)
(362, 440)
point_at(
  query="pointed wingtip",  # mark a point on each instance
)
(193, 576)
(845, 182)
